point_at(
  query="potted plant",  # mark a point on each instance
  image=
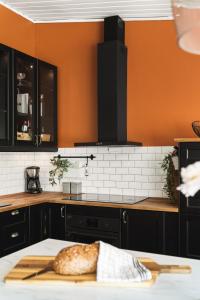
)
(60, 166)
(170, 167)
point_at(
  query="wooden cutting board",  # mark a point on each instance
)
(30, 264)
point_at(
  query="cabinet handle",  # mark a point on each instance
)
(45, 225)
(62, 211)
(14, 235)
(124, 217)
(15, 212)
(36, 140)
(187, 154)
(39, 140)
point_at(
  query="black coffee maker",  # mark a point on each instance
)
(32, 180)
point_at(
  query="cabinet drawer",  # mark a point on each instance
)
(14, 236)
(14, 216)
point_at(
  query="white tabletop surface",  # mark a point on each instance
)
(167, 286)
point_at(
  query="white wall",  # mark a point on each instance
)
(115, 170)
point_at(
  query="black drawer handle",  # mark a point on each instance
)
(14, 235)
(124, 217)
(15, 212)
(62, 212)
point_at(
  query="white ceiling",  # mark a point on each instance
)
(39, 11)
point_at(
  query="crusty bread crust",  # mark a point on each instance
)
(77, 260)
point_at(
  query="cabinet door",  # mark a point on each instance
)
(5, 96)
(142, 231)
(39, 223)
(35, 224)
(25, 99)
(190, 236)
(188, 154)
(47, 105)
(57, 215)
(171, 234)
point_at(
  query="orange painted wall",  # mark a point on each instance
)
(163, 81)
(16, 32)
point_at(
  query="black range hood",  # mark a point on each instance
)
(112, 87)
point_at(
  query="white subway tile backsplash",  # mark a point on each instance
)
(135, 171)
(110, 184)
(103, 163)
(115, 170)
(141, 178)
(148, 186)
(109, 157)
(128, 177)
(121, 170)
(128, 164)
(115, 164)
(109, 171)
(154, 150)
(148, 156)
(135, 157)
(122, 157)
(115, 177)
(142, 164)
(148, 171)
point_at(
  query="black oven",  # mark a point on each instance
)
(86, 224)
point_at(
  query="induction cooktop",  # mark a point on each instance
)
(106, 198)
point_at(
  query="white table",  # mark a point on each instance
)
(168, 286)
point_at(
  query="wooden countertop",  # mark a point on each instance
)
(23, 200)
(185, 140)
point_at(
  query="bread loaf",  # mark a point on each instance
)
(77, 260)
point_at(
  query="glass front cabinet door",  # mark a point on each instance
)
(5, 96)
(25, 100)
(47, 104)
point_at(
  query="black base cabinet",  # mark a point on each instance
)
(138, 230)
(190, 236)
(150, 231)
(58, 224)
(189, 152)
(143, 231)
(39, 223)
(14, 230)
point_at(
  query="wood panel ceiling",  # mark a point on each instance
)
(39, 11)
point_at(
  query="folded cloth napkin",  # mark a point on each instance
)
(117, 265)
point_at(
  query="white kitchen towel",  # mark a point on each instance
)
(117, 265)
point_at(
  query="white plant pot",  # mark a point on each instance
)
(175, 162)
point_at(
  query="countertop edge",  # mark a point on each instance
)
(22, 200)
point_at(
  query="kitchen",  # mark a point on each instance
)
(98, 124)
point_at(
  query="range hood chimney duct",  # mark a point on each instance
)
(112, 86)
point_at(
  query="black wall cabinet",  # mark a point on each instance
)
(28, 103)
(5, 96)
